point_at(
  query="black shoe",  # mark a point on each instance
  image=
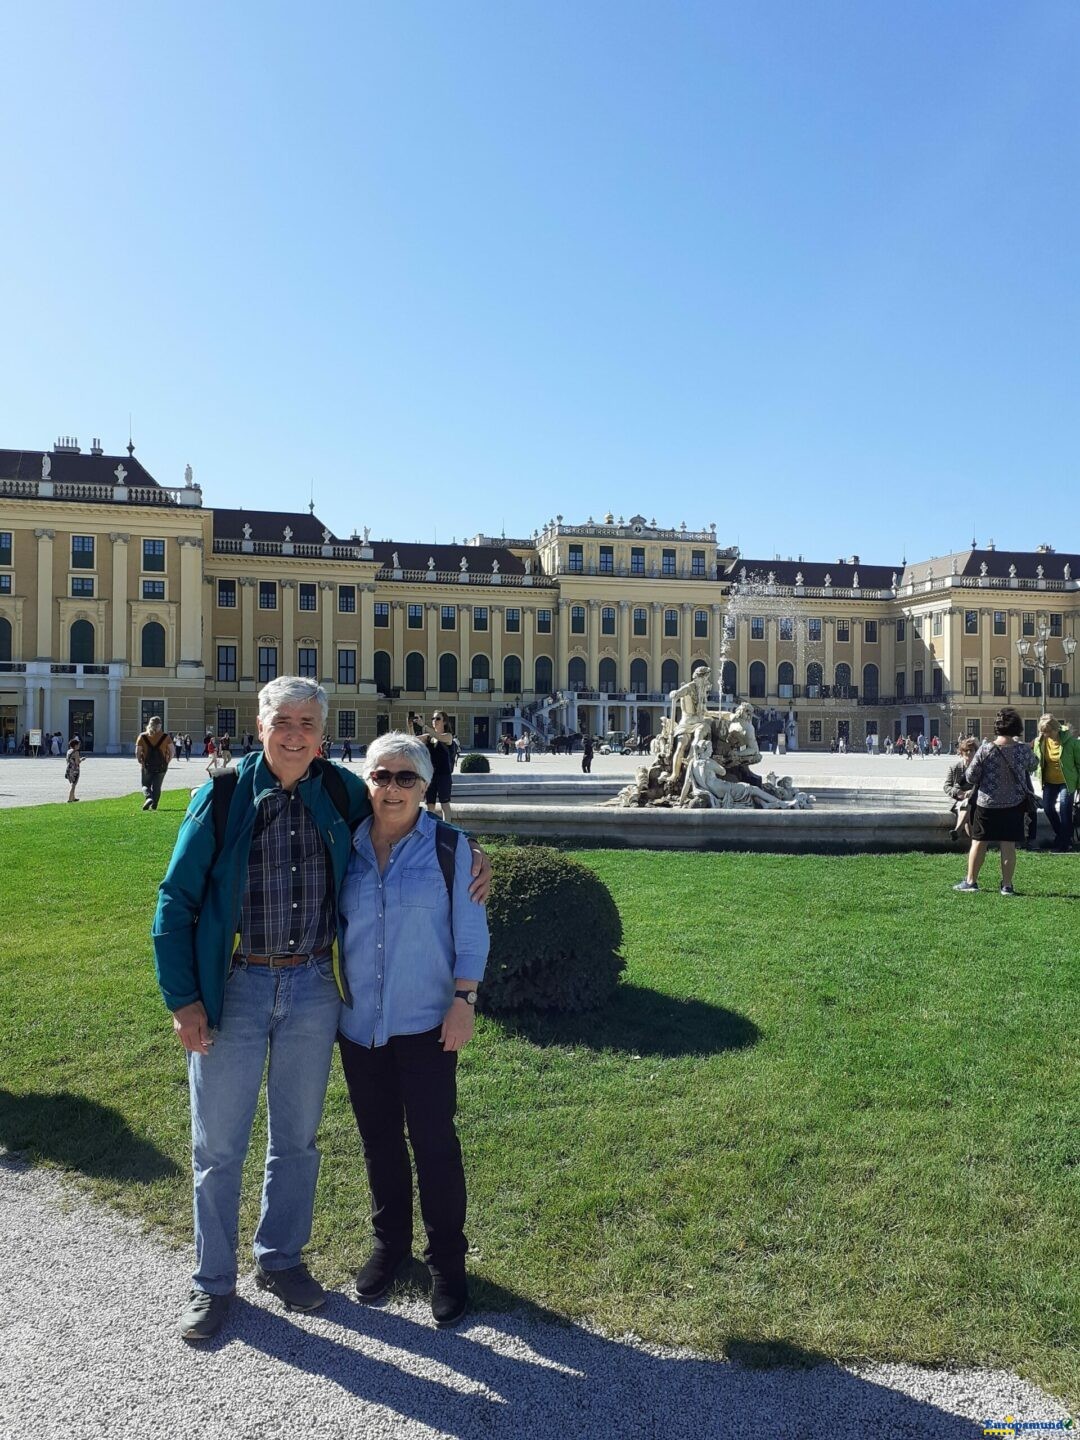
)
(203, 1314)
(379, 1273)
(296, 1287)
(449, 1295)
(148, 804)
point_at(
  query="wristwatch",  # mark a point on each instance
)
(469, 996)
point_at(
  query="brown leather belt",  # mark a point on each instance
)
(276, 962)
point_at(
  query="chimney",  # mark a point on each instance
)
(1044, 549)
(66, 445)
(95, 447)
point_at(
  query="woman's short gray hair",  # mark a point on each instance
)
(291, 690)
(396, 742)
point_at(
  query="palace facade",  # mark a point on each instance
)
(121, 598)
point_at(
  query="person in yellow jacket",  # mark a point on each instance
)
(1058, 752)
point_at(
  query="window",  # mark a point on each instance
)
(669, 676)
(971, 623)
(5, 584)
(671, 622)
(307, 662)
(480, 617)
(870, 682)
(843, 631)
(901, 684)
(416, 619)
(382, 614)
(82, 587)
(813, 631)
(414, 671)
(5, 547)
(308, 597)
(382, 672)
(513, 620)
(512, 675)
(226, 594)
(787, 628)
(999, 622)
(697, 564)
(1055, 625)
(1056, 680)
(153, 554)
(346, 667)
(640, 620)
(701, 624)
(971, 680)
(842, 677)
(82, 643)
(577, 619)
(607, 559)
(226, 662)
(815, 732)
(82, 552)
(346, 603)
(639, 676)
(757, 681)
(607, 620)
(448, 618)
(917, 626)
(153, 644)
(544, 675)
(637, 560)
(729, 678)
(267, 594)
(1027, 623)
(973, 727)
(153, 589)
(267, 663)
(1027, 682)
(1000, 681)
(936, 626)
(607, 675)
(901, 631)
(937, 681)
(448, 673)
(575, 560)
(346, 724)
(870, 632)
(785, 680)
(575, 674)
(918, 684)
(814, 680)
(757, 627)
(543, 622)
(226, 721)
(668, 563)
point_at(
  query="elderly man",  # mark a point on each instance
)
(244, 944)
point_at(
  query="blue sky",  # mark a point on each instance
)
(805, 270)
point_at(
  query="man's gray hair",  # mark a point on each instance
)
(396, 742)
(291, 690)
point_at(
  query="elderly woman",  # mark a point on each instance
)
(415, 948)
(999, 774)
(957, 787)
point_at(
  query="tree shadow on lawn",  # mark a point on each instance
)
(641, 1021)
(79, 1134)
(556, 1377)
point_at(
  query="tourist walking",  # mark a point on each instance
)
(154, 751)
(1000, 774)
(244, 934)
(586, 755)
(1057, 752)
(73, 766)
(346, 752)
(415, 949)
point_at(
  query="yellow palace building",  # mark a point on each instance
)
(121, 598)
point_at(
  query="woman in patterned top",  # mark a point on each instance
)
(999, 775)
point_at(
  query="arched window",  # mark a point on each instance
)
(639, 676)
(575, 673)
(544, 678)
(730, 682)
(5, 640)
(669, 676)
(607, 674)
(82, 643)
(757, 681)
(785, 680)
(448, 673)
(481, 669)
(870, 682)
(382, 672)
(843, 676)
(814, 680)
(414, 670)
(512, 674)
(153, 644)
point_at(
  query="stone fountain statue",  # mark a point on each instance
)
(701, 759)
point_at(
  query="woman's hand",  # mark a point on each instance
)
(481, 873)
(457, 1026)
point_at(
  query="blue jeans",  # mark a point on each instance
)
(291, 1014)
(1057, 803)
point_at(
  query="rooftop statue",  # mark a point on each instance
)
(396, 562)
(46, 466)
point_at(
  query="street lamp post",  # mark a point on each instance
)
(1036, 653)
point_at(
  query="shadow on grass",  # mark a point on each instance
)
(642, 1021)
(79, 1134)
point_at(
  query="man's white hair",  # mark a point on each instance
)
(291, 690)
(396, 742)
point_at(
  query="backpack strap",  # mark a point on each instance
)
(446, 838)
(220, 801)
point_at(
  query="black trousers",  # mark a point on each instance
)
(410, 1081)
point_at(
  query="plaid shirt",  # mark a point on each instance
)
(288, 905)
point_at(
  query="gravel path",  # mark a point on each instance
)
(89, 1348)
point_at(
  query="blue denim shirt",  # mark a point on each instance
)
(402, 955)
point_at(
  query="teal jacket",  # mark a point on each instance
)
(1070, 757)
(198, 909)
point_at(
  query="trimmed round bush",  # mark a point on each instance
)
(555, 934)
(474, 764)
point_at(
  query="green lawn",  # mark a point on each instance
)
(834, 1106)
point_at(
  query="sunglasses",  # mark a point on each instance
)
(404, 779)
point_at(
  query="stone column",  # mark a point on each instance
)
(397, 658)
(191, 600)
(209, 639)
(247, 628)
(562, 638)
(528, 621)
(887, 631)
(112, 739)
(592, 664)
(289, 657)
(120, 595)
(327, 662)
(45, 540)
(656, 627)
(431, 616)
(464, 648)
(497, 619)
(986, 658)
(686, 637)
(622, 679)
(829, 625)
(366, 659)
(856, 653)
